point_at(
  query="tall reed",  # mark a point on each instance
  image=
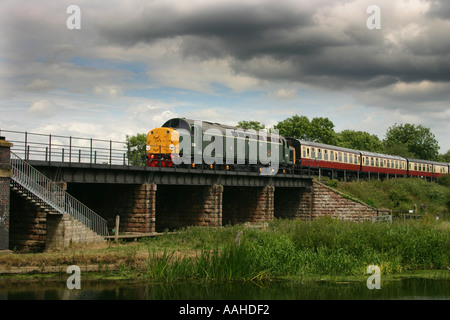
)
(320, 247)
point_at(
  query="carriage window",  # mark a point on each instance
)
(313, 153)
(331, 155)
(326, 155)
(319, 152)
(345, 157)
(304, 152)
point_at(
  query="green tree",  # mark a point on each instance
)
(136, 150)
(419, 140)
(322, 130)
(246, 125)
(318, 129)
(295, 127)
(445, 157)
(359, 140)
(400, 150)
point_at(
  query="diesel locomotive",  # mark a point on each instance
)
(182, 142)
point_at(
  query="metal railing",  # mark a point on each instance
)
(58, 148)
(37, 185)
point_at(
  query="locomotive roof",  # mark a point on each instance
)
(206, 125)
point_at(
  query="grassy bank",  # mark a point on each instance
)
(286, 248)
(400, 194)
(297, 248)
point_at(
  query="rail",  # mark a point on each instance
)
(35, 184)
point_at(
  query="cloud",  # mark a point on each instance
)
(42, 108)
(226, 60)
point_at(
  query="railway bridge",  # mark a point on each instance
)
(74, 192)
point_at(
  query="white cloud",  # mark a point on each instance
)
(42, 108)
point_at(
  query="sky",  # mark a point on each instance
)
(132, 65)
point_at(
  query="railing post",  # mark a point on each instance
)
(26, 141)
(70, 149)
(50, 148)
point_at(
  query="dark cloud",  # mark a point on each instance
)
(439, 9)
(317, 53)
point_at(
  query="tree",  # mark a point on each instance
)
(322, 130)
(246, 125)
(136, 149)
(359, 140)
(295, 127)
(445, 157)
(318, 129)
(419, 140)
(400, 150)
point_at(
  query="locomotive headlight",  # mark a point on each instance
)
(147, 147)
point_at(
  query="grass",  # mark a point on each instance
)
(400, 194)
(288, 248)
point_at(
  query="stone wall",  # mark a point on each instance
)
(134, 203)
(293, 203)
(319, 201)
(5, 178)
(330, 202)
(27, 225)
(63, 230)
(247, 204)
(181, 206)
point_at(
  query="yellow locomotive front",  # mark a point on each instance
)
(162, 145)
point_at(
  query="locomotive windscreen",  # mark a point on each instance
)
(176, 123)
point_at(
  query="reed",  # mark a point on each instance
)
(299, 248)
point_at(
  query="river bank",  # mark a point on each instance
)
(284, 248)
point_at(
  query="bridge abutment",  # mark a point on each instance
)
(180, 206)
(248, 204)
(293, 203)
(5, 180)
(133, 203)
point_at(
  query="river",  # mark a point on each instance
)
(55, 288)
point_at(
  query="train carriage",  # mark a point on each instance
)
(383, 163)
(426, 168)
(315, 154)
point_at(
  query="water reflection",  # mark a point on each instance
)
(55, 289)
